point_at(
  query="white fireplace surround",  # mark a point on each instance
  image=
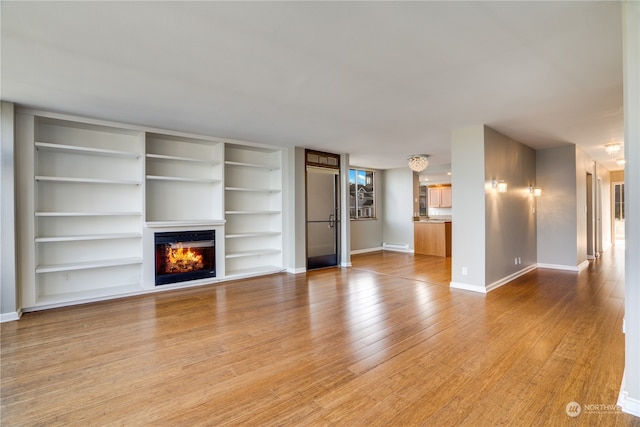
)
(148, 256)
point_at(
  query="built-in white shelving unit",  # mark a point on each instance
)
(87, 210)
(184, 178)
(253, 210)
(96, 192)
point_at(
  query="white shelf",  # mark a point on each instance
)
(255, 252)
(251, 165)
(182, 179)
(81, 214)
(252, 212)
(90, 295)
(63, 179)
(254, 190)
(252, 234)
(85, 150)
(182, 159)
(88, 237)
(248, 272)
(87, 265)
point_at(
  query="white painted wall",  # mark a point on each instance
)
(468, 213)
(630, 391)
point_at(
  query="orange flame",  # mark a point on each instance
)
(181, 255)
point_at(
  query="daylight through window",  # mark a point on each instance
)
(361, 194)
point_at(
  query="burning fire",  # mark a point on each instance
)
(181, 260)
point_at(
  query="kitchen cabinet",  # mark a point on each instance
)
(432, 238)
(439, 197)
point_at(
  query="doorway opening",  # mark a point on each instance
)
(323, 209)
(618, 213)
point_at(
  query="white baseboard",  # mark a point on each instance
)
(494, 285)
(297, 270)
(510, 277)
(468, 287)
(364, 251)
(10, 317)
(579, 267)
(345, 264)
(628, 404)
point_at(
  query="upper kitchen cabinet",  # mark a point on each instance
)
(439, 197)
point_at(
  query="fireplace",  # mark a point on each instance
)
(185, 255)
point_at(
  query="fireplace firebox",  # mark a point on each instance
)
(185, 255)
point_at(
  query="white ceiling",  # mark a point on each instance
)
(379, 80)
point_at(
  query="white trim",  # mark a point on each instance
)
(510, 277)
(579, 267)
(468, 287)
(345, 264)
(400, 247)
(494, 285)
(296, 270)
(628, 404)
(185, 223)
(363, 251)
(9, 317)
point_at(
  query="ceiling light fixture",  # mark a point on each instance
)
(612, 148)
(621, 161)
(418, 162)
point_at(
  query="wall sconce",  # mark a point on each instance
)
(536, 191)
(501, 186)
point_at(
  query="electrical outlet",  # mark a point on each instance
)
(464, 271)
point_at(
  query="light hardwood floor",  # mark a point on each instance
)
(383, 343)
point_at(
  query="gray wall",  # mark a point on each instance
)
(491, 229)
(397, 209)
(8, 279)
(366, 234)
(510, 225)
(468, 213)
(295, 213)
(562, 210)
(557, 223)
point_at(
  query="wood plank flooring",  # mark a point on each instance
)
(385, 342)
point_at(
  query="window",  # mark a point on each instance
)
(361, 194)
